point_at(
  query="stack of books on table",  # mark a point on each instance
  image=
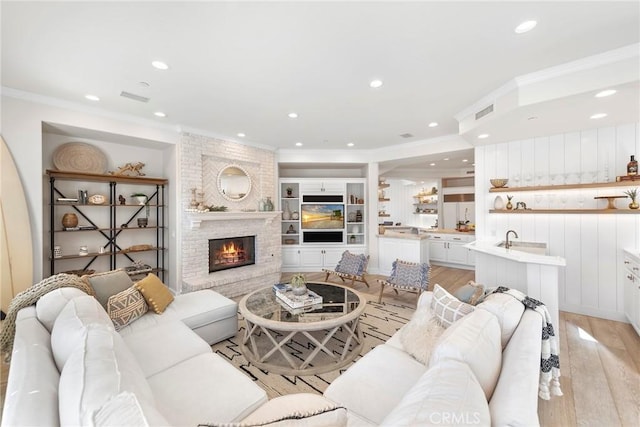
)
(283, 293)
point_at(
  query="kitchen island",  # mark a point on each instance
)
(523, 267)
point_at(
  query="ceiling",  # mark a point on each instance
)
(242, 67)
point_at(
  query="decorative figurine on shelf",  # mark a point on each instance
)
(122, 199)
(299, 285)
(130, 169)
(509, 205)
(358, 215)
(633, 195)
(289, 192)
(295, 215)
(291, 230)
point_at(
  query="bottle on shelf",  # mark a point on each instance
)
(632, 167)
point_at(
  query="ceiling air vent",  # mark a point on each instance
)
(406, 135)
(133, 96)
(480, 114)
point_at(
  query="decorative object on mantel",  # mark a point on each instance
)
(212, 208)
(79, 157)
(194, 202)
(129, 169)
(611, 200)
(509, 205)
(633, 195)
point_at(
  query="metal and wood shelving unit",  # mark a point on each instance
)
(120, 217)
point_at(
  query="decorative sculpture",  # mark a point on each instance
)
(130, 169)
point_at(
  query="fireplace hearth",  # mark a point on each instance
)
(231, 252)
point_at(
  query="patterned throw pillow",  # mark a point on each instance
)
(156, 293)
(448, 308)
(352, 264)
(409, 274)
(126, 306)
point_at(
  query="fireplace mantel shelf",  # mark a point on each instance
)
(196, 218)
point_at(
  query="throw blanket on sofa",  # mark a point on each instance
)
(29, 297)
(549, 359)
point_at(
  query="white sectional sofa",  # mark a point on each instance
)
(70, 367)
(470, 378)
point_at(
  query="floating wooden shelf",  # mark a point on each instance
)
(384, 215)
(384, 200)
(381, 185)
(567, 211)
(566, 186)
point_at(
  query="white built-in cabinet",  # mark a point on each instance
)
(301, 255)
(632, 289)
(448, 249)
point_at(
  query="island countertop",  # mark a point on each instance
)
(491, 247)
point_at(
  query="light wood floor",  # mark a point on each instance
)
(600, 362)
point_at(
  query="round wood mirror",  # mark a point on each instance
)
(234, 183)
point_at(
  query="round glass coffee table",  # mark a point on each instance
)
(304, 341)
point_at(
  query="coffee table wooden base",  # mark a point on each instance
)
(262, 356)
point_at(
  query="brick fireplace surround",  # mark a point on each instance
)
(201, 160)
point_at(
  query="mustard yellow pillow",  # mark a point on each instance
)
(155, 293)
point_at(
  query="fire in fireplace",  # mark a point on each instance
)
(231, 252)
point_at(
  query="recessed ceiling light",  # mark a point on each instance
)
(293, 115)
(159, 114)
(92, 97)
(473, 164)
(532, 118)
(525, 26)
(160, 65)
(464, 160)
(298, 144)
(241, 135)
(375, 83)
(143, 84)
(432, 164)
(599, 116)
(604, 93)
(483, 136)
(433, 124)
(350, 144)
(446, 158)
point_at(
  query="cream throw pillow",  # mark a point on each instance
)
(419, 336)
(156, 293)
(126, 306)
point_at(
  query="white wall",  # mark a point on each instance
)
(592, 244)
(401, 205)
(22, 122)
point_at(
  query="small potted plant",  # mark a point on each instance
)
(633, 195)
(299, 285)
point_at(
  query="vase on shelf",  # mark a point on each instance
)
(509, 205)
(632, 167)
(498, 203)
(286, 213)
(69, 220)
(268, 204)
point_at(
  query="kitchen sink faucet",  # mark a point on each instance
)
(508, 244)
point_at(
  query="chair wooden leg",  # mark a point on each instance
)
(381, 291)
(364, 280)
